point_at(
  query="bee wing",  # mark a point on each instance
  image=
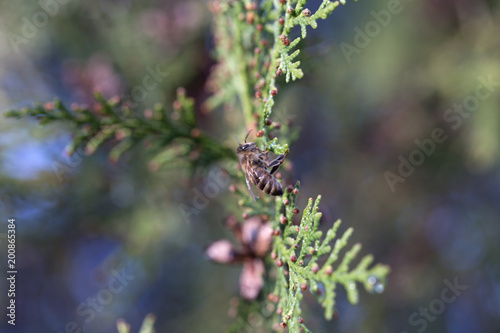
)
(250, 188)
(249, 175)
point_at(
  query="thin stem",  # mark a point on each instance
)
(239, 68)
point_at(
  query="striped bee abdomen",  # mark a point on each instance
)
(267, 183)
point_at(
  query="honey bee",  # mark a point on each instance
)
(254, 164)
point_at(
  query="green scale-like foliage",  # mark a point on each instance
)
(171, 137)
(285, 55)
(253, 47)
(298, 252)
(303, 18)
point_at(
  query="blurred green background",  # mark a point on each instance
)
(83, 221)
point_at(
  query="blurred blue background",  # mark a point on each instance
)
(97, 242)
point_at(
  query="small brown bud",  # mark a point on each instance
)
(296, 211)
(279, 72)
(286, 202)
(301, 263)
(250, 17)
(268, 122)
(293, 258)
(303, 286)
(288, 317)
(258, 94)
(177, 105)
(329, 270)
(181, 91)
(286, 41)
(232, 222)
(232, 313)
(295, 191)
(274, 255)
(195, 133)
(301, 321)
(148, 113)
(277, 125)
(98, 108)
(282, 2)
(270, 297)
(260, 133)
(315, 269)
(279, 263)
(283, 325)
(276, 232)
(312, 251)
(289, 11)
(306, 12)
(120, 134)
(274, 92)
(282, 37)
(281, 21)
(259, 84)
(283, 220)
(289, 188)
(264, 42)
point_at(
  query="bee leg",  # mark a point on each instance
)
(264, 156)
(275, 164)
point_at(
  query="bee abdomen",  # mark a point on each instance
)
(269, 185)
(276, 190)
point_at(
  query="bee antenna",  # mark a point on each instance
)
(247, 136)
(237, 140)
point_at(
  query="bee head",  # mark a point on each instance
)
(247, 146)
